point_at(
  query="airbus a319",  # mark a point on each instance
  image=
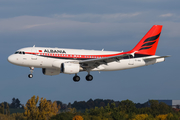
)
(54, 61)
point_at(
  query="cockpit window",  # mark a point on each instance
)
(19, 52)
(16, 52)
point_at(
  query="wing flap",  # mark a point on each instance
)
(106, 60)
(94, 63)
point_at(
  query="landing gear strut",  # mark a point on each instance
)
(76, 78)
(31, 70)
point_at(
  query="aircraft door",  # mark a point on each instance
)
(131, 60)
(33, 55)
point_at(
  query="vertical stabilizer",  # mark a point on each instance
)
(149, 42)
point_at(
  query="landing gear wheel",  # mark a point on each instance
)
(30, 75)
(76, 78)
(89, 77)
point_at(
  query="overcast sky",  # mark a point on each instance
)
(114, 25)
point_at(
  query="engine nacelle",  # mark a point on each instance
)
(70, 68)
(50, 71)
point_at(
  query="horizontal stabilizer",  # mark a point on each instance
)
(156, 57)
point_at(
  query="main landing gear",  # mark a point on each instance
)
(89, 77)
(31, 70)
(76, 78)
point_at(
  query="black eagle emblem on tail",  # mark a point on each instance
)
(149, 42)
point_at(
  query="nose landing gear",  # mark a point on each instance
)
(31, 70)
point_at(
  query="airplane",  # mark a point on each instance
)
(54, 61)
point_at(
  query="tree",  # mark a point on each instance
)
(7, 109)
(113, 105)
(47, 109)
(161, 117)
(31, 109)
(69, 105)
(128, 106)
(72, 110)
(44, 111)
(5, 117)
(107, 108)
(141, 117)
(154, 105)
(18, 116)
(63, 116)
(13, 103)
(59, 103)
(2, 106)
(164, 108)
(17, 103)
(77, 117)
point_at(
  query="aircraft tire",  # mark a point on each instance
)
(30, 75)
(89, 77)
(76, 78)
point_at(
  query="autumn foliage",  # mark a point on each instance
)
(77, 117)
(44, 111)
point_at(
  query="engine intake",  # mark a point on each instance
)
(70, 68)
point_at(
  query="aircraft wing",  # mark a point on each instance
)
(93, 63)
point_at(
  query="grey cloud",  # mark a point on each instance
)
(166, 15)
(46, 8)
(111, 23)
(117, 17)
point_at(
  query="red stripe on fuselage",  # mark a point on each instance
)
(76, 56)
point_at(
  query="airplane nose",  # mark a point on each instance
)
(11, 59)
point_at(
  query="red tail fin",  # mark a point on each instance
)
(149, 42)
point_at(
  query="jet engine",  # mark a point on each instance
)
(70, 68)
(50, 71)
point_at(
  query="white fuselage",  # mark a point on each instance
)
(41, 57)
